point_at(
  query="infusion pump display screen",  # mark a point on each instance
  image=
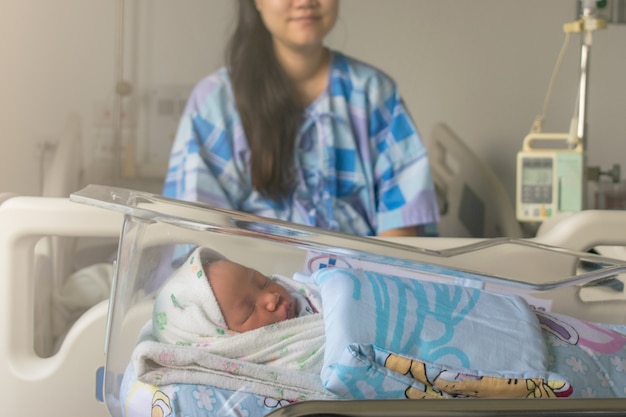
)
(537, 174)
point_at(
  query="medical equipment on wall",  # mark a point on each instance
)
(551, 172)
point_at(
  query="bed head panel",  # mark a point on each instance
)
(472, 199)
(32, 383)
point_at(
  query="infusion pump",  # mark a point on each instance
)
(550, 177)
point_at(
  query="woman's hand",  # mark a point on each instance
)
(403, 231)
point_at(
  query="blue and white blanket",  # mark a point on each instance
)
(381, 328)
(393, 337)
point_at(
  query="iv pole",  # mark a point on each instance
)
(588, 23)
(585, 51)
(560, 158)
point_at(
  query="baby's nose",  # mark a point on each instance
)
(271, 300)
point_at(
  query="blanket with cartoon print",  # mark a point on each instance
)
(435, 359)
(392, 337)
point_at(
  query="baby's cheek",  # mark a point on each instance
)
(273, 318)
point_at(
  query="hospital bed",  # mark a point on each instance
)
(472, 200)
(151, 228)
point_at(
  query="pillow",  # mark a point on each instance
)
(387, 336)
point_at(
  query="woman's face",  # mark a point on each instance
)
(248, 299)
(298, 24)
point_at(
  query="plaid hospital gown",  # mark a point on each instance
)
(362, 167)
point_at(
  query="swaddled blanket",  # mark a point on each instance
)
(188, 342)
(392, 337)
(384, 337)
(398, 338)
(280, 361)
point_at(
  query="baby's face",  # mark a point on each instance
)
(247, 298)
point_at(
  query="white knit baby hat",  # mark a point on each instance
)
(185, 311)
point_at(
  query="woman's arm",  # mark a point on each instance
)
(403, 231)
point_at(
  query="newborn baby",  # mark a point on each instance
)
(220, 323)
(210, 295)
(248, 299)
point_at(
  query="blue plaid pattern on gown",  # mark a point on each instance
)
(361, 165)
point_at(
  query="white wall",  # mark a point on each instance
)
(482, 66)
(56, 58)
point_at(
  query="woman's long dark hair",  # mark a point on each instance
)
(266, 101)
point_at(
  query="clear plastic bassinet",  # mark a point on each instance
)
(157, 229)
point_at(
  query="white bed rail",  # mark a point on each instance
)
(584, 230)
(63, 383)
